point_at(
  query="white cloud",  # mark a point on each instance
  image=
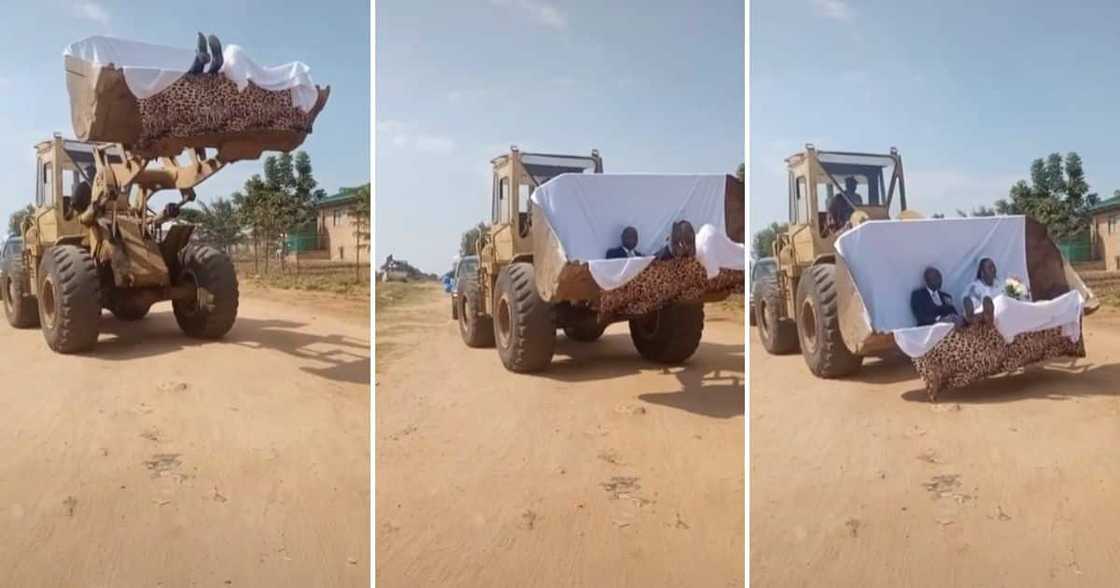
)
(537, 11)
(402, 135)
(93, 11)
(834, 9)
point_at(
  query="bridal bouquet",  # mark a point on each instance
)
(1013, 288)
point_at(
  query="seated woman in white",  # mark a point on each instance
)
(981, 292)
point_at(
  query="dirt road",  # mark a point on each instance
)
(158, 460)
(1011, 482)
(603, 471)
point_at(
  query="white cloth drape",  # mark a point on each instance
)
(887, 259)
(589, 211)
(149, 69)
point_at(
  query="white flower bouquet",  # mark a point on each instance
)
(1013, 288)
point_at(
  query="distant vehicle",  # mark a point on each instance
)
(11, 249)
(11, 256)
(759, 270)
(466, 272)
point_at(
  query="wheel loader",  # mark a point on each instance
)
(94, 241)
(811, 302)
(527, 287)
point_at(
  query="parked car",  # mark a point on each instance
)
(11, 249)
(759, 269)
(465, 271)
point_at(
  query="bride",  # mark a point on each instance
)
(981, 292)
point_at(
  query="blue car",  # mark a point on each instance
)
(448, 282)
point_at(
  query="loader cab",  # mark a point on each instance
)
(871, 186)
(64, 173)
(516, 176)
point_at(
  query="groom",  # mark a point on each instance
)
(930, 304)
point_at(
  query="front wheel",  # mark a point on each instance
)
(670, 335)
(524, 325)
(818, 322)
(69, 299)
(209, 314)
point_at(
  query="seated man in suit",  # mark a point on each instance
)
(930, 304)
(629, 245)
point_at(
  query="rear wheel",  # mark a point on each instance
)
(778, 334)
(818, 317)
(69, 299)
(524, 326)
(587, 330)
(212, 312)
(670, 335)
(127, 309)
(476, 329)
(21, 308)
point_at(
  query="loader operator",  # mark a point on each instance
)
(840, 206)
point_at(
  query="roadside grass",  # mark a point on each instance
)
(394, 294)
(334, 278)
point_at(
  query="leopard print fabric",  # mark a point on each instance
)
(202, 104)
(970, 354)
(729, 281)
(662, 283)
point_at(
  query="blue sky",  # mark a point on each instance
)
(655, 86)
(335, 43)
(970, 92)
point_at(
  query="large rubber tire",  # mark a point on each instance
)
(778, 335)
(476, 328)
(585, 331)
(129, 310)
(69, 299)
(21, 308)
(205, 267)
(818, 317)
(670, 335)
(524, 325)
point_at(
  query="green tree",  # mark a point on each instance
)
(280, 203)
(219, 223)
(741, 172)
(468, 244)
(360, 213)
(260, 209)
(763, 243)
(17, 217)
(1057, 196)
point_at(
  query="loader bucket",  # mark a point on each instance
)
(866, 325)
(561, 256)
(238, 123)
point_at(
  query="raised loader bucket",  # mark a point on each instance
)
(139, 95)
(576, 218)
(873, 302)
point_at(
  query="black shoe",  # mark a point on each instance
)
(215, 55)
(201, 57)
